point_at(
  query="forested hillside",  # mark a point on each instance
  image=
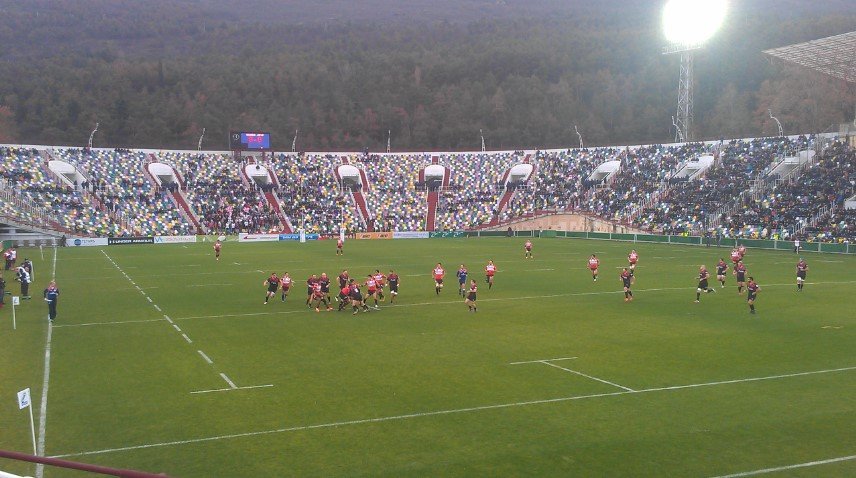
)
(155, 73)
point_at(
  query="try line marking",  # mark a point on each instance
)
(543, 360)
(442, 412)
(230, 389)
(789, 467)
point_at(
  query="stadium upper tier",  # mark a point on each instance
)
(740, 188)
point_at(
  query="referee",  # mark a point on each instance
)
(51, 297)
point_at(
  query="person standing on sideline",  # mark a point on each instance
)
(797, 245)
(24, 278)
(2, 291)
(51, 296)
(11, 255)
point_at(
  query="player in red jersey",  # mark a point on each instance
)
(626, 279)
(471, 296)
(593, 264)
(339, 247)
(633, 258)
(752, 289)
(394, 281)
(741, 249)
(285, 285)
(310, 288)
(217, 246)
(319, 297)
(735, 256)
(740, 272)
(272, 284)
(721, 269)
(371, 288)
(527, 248)
(802, 269)
(438, 273)
(381, 282)
(489, 271)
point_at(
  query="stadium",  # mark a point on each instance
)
(542, 308)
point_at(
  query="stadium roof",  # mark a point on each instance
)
(835, 55)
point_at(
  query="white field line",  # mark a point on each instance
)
(543, 360)
(231, 383)
(589, 376)
(205, 357)
(158, 308)
(168, 319)
(90, 324)
(208, 285)
(440, 412)
(230, 389)
(149, 299)
(177, 328)
(186, 338)
(53, 267)
(43, 408)
(789, 467)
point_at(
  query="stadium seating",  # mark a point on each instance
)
(393, 200)
(474, 189)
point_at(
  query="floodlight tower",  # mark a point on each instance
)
(688, 24)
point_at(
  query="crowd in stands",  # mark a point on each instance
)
(393, 200)
(788, 208)
(116, 197)
(475, 189)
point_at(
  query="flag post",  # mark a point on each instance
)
(16, 301)
(25, 402)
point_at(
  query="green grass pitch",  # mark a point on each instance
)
(660, 386)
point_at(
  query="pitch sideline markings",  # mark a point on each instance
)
(230, 389)
(174, 325)
(205, 357)
(589, 376)
(443, 412)
(789, 467)
(43, 407)
(543, 360)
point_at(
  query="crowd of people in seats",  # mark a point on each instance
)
(689, 205)
(310, 196)
(790, 205)
(118, 182)
(475, 189)
(559, 181)
(393, 199)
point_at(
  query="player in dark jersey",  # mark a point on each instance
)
(802, 269)
(721, 269)
(310, 288)
(285, 285)
(272, 284)
(324, 281)
(740, 272)
(462, 281)
(344, 297)
(752, 289)
(393, 280)
(626, 279)
(356, 297)
(703, 276)
(471, 296)
(343, 278)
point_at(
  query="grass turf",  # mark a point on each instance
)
(424, 388)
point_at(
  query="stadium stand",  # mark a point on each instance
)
(393, 199)
(474, 190)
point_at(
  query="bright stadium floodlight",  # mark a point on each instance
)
(687, 25)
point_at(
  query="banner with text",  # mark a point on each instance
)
(121, 241)
(296, 237)
(410, 235)
(374, 235)
(446, 234)
(258, 237)
(85, 241)
(174, 239)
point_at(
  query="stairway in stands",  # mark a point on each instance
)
(177, 196)
(360, 199)
(433, 199)
(506, 196)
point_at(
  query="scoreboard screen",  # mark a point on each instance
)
(249, 141)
